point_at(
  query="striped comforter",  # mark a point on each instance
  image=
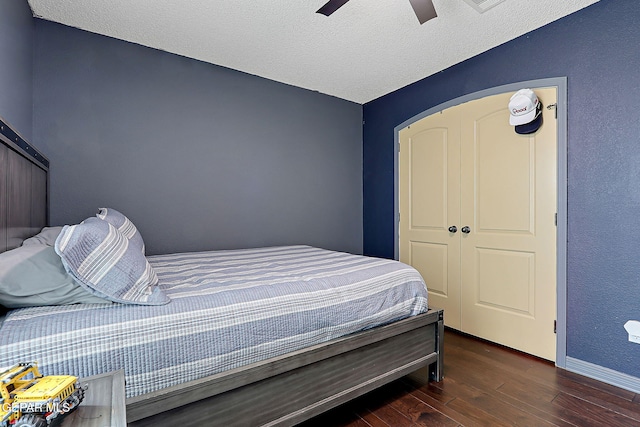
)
(227, 309)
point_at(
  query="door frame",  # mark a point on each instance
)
(561, 236)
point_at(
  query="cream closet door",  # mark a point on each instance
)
(508, 200)
(506, 280)
(430, 204)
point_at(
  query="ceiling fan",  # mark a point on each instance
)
(423, 9)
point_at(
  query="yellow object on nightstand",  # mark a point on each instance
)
(28, 399)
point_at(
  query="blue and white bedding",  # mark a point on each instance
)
(228, 309)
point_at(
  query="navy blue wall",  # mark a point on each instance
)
(598, 49)
(198, 156)
(16, 65)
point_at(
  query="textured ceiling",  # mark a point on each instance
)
(364, 50)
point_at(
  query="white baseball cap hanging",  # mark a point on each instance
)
(525, 111)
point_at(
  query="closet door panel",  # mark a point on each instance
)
(428, 179)
(504, 168)
(429, 204)
(495, 276)
(431, 260)
(506, 280)
(508, 200)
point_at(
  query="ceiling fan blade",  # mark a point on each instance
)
(331, 6)
(424, 10)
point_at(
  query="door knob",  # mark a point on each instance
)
(466, 229)
(453, 229)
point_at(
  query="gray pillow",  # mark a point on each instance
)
(33, 275)
(47, 236)
(123, 224)
(107, 264)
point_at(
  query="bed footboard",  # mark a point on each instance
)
(289, 389)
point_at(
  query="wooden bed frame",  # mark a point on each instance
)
(23, 189)
(281, 391)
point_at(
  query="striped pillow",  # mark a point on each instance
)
(123, 224)
(106, 264)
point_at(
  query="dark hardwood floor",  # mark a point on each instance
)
(489, 385)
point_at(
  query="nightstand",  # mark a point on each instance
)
(103, 404)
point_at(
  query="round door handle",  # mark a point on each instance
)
(453, 229)
(466, 229)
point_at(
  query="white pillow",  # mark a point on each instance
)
(47, 236)
(33, 275)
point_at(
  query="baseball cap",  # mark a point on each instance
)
(525, 111)
(533, 125)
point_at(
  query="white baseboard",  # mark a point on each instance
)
(606, 375)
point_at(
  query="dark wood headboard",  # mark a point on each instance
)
(24, 184)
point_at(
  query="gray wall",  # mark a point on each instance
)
(597, 49)
(198, 156)
(16, 65)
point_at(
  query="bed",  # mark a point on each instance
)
(199, 346)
